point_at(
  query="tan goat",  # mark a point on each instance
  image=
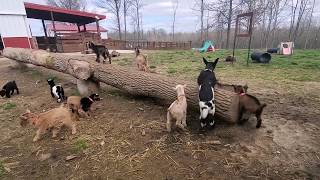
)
(53, 119)
(177, 112)
(141, 61)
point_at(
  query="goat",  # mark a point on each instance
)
(115, 54)
(230, 59)
(141, 61)
(100, 50)
(9, 88)
(177, 112)
(53, 119)
(56, 91)
(248, 105)
(206, 83)
(76, 103)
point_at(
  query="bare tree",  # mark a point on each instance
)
(175, 4)
(137, 5)
(201, 19)
(126, 6)
(309, 24)
(69, 4)
(114, 7)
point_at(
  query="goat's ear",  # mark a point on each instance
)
(215, 63)
(245, 87)
(205, 61)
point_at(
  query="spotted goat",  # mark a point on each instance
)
(206, 83)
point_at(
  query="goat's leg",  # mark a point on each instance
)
(98, 57)
(38, 135)
(104, 57)
(259, 120)
(17, 90)
(203, 122)
(8, 94)
(212, 112)
(12, 91)
(73, 128)
(184, 121)
(170, 123)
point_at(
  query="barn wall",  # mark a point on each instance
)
(13, 25)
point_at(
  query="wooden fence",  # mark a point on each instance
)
(119, 44)
(76, 42)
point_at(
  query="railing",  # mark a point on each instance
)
(119, 44)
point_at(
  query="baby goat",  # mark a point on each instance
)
(56, 91)
(177, 112)
(100, 50)
(9, 88)
(141, 61)
(76, 103)
(53, 119)
(248, 105)
(206, 83)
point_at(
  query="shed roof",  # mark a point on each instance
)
(37, 11)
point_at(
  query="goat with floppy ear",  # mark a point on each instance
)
(141, 61)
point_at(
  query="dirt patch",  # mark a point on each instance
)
(126, 139)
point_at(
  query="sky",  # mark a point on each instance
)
(156, 14)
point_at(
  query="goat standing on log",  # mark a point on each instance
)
(206, 83)
(100, 50)
(141, 61)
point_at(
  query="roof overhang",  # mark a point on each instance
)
(37, 11)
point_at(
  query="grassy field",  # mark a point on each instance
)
(304, 65)
(284, 73)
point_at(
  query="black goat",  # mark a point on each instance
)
(56, 91)
(9, 88)
(206, 83)
(100, 50)
(86, 102)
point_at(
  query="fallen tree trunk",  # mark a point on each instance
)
(132, 81)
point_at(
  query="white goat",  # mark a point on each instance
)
(177, 112)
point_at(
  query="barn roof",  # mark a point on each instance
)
(37, 11)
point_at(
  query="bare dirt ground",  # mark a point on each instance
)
(126, 138)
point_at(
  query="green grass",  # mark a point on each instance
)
(8, 106)
(303, 65)
(2, 170)
(80, 145)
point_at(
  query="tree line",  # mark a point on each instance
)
(274, 21)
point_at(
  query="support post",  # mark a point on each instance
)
(54, 30)
(45, 34)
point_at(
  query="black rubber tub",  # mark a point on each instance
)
(273, 50)
(261, 57)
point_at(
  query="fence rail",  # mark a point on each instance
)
(76, 42)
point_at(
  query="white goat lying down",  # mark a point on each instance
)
(177, 112)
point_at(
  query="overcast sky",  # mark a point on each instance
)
(156, 14)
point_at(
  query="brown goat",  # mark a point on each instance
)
(53, 119)
(141, 61)
(249, 105)
(82, 105)
(230, 59)
(231, 87)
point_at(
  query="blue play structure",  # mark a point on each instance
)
(206, 47)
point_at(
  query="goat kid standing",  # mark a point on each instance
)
(56, 91)
(141, 61)
(206, 83)
(9, 88)
(100, 50)
(177, 112)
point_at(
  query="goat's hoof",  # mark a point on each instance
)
(203, 125)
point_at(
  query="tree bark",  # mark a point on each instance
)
(132, 81)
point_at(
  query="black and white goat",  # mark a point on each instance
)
(206, 83)
(56, 91)
(9, 88)
(100, 50)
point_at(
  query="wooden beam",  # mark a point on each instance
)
(44, 29)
